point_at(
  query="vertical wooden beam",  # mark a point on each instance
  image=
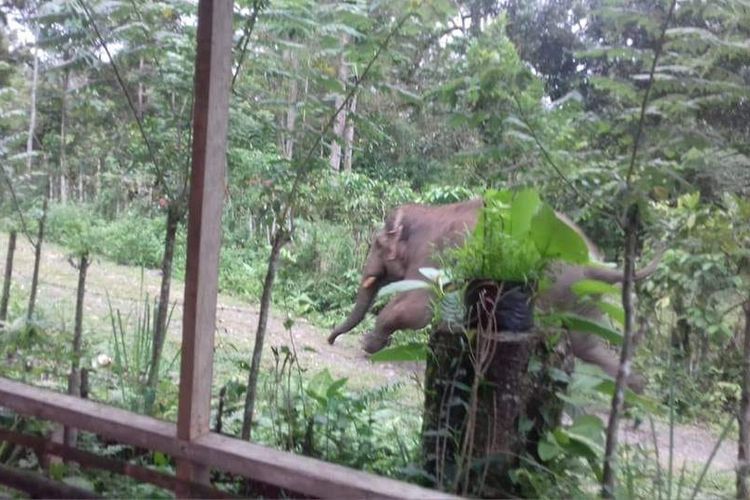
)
(210, 118)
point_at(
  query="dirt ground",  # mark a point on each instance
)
(236, 324)
(124, 286)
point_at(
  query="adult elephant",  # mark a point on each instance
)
(413, 235)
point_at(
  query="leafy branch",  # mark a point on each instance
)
(247, 32)
(160, 178)
(17, 206)
(545, 153)
(283, 234)
(631, 229)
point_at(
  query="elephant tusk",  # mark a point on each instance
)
(369, 281)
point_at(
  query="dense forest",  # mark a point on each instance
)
(630, 117)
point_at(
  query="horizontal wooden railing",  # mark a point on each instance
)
(266, 465)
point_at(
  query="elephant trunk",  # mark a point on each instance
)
(365, 297)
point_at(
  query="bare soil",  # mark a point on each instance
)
(237, 321)
(126, 286)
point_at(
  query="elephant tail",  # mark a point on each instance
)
(616, 275)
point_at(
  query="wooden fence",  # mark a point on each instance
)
(196, 450)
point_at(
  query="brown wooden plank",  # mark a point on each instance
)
(114, 423)
(298, 473)
(90, 460)
(210, 119)
(38, 486)
(285, 470)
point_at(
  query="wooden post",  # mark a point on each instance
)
(210, 118)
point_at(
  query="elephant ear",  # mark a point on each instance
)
(390, 238)
(389, 241)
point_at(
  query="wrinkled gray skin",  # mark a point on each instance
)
(413, 234)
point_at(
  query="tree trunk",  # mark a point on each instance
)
(37, 257)
(98, 178)
(260, 335)
(8, 275)
(743, 448)
(141, 90)
(63, 132)
(680, 335)
(339, 125)
(174, 215)
(81, 194)
(32, 110)
(349, 135)
(471, 438)
(74, 379)
(623, 373)
(287, 141)
(475, 11)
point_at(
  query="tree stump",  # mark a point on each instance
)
(489, 397)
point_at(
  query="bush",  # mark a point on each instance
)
(320, 269)
(131, 239)
(320, 416)
(75, 227)
(242, 270)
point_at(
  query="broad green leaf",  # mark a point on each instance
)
(589, 426)
(614, 311)
(581, 324)
(318, 385)
(555, 239)
(522, 211)
(579, 444)
(607, 387)
(434, 275)
(594, 287)
(415, 351)
(402, 286)
(548, 448)
(335, 386)
(160, 459)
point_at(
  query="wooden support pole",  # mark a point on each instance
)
(210, 118)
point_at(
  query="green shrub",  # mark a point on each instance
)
(133, 239)
(320, 416)
(241, 270)
(74, 226)
(320, 268)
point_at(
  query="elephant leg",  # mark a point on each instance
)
(592, 350)
(407, 311)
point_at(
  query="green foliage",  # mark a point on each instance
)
(318, 415)
(415, 351)
(132, 344)
(130, 239)
(439, 195)
(515, 239)
(542, 94)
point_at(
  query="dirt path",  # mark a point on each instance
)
(236, 320)
(236, 323)
(693, 445)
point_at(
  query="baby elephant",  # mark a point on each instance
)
(414, 233)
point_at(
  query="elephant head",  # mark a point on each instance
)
(386, 262)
